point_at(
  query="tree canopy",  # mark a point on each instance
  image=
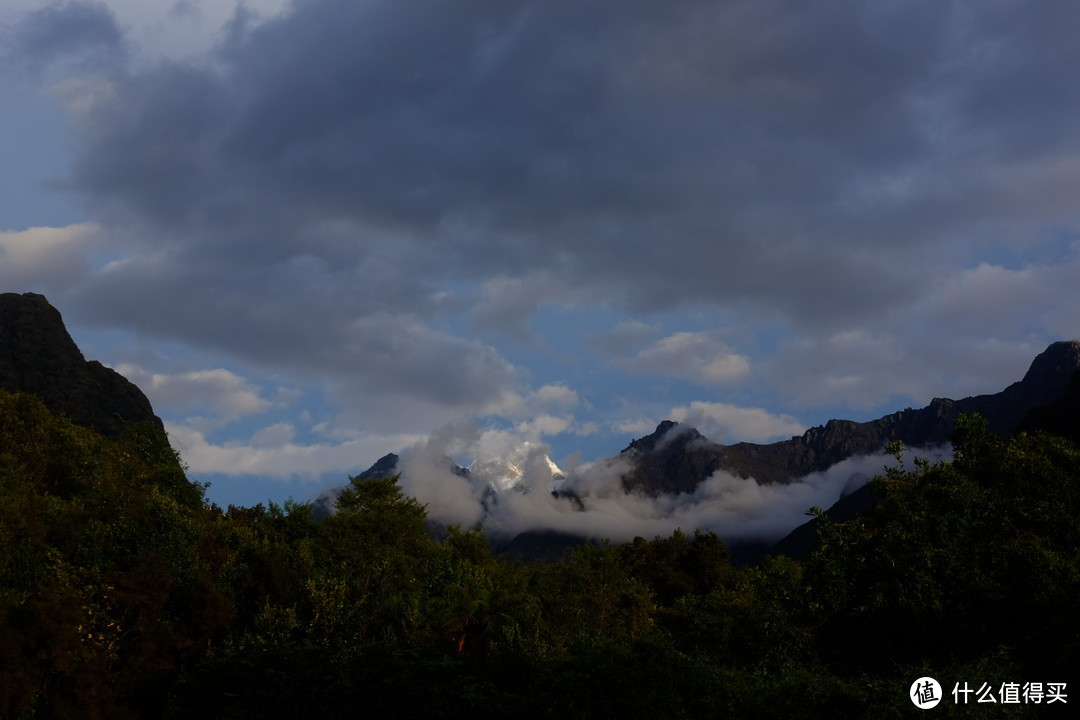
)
(124, 594)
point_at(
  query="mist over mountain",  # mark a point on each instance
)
(125, 592)
(675, 458)
(676, 477)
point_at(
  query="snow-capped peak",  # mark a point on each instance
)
(527, 465)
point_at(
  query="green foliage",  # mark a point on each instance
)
(477, 607)
(959, 558)
(122, 594)
(101, 593)
(679, 565)
(593, 603)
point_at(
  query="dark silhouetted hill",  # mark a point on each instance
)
(1046, 400)
(675, 458)
(38, 357)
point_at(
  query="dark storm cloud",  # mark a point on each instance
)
(82, 32)
(343, 335)
(596, 129)
(382, 159)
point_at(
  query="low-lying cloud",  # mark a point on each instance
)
(728, 423)
(591, 502)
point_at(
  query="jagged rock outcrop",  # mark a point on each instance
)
(672, 460)
(1060, 418)
(675, 458)
(386, 466)
(38, 356)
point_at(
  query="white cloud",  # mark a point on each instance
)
(450, 498)
(636, 427)
(735, 508)
(701, 357)
(556, 395)
(276, 435)
(544, 425)
(220, 392)
(46, 257)
(728, 424)
(553, 397)
(273, 453)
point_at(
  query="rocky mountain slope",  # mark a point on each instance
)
(676, 458)
(38, 357)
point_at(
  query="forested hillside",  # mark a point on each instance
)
(123, 594)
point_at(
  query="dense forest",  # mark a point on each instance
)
(123, 593)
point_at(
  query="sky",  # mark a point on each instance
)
(320, 231)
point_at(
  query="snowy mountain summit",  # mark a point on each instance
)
(508, 472)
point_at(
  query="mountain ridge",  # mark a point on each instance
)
(674, 459)
(39, 357)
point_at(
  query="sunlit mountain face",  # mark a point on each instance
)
(510, 471)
